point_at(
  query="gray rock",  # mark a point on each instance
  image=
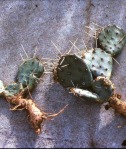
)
(35, 24)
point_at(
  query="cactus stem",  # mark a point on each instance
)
(117, 104)
(36, 116)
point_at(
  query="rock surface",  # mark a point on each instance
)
(35, 23)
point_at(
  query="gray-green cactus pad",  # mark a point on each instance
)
(85, 94)
(73, 71)
(30, 72)
(103, 87)
(112, 39)
(12, 89)
(99, 62)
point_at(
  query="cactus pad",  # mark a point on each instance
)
(112, 39)
(72, 71)
(99, 62)
(103, 87)
(12, 89)
(29, 72)
(85, 94)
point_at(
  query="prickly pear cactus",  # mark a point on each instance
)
(72, 71)
(99, 62)
(103, 87)
(85, 94)
(29, 72)
(112, 39)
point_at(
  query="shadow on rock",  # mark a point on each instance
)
(73, 125)
(110, 130)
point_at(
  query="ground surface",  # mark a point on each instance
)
(35, 23)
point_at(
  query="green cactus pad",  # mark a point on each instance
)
(99, 62)
(12, 89)
(103, 87)
(29, 72)
(85, 94)
(73, 71)
(112, 39)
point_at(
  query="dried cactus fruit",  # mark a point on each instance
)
(72, 71)
(29, 72)
(103, 87)
(85, 94)
(112, 39)
(99, 62)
